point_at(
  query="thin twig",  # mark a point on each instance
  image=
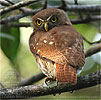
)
(32, 12)
(83, 8)
(3, 3)
(76, 2)
(45, 4)
(23, 9)
(10, 2)
(16, 6)
(41, 90)
(63, 6)
(17, 25)
(74, 21)
(86, 19)
(66, 8)
(18, 16)
(92, 50)
(31, 80)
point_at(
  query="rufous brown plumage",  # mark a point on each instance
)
(56, 45)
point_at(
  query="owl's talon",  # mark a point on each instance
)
(51, 82)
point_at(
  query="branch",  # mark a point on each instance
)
(31, 80)
(18, 16)
(4, 3)
(45, 4)
(69, 8)
(86, 19)
(41, 90)
(87, 8)
(74, 21)
(17, 6)
(84, 8)
(17, 25)
(92, 50)
(23, 9)
(76, 2)
(9, 1)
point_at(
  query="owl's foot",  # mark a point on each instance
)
(51, 82)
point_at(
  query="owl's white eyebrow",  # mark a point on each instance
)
(40, 19)
(49, 17)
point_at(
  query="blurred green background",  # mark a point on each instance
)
(17, 62)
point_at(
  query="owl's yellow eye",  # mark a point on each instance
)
(39, 22)
(54, 19)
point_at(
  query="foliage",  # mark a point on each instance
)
(10, 40)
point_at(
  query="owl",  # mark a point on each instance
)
(57, 46)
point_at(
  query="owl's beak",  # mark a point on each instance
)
(46, 26)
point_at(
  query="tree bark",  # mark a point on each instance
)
(41, 90)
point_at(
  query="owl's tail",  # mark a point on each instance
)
(66, 74)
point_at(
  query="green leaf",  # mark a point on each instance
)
(88, 31)
(10, 39)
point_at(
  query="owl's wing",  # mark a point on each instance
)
(61, 44)
(70, 44)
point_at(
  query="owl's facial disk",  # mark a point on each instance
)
(47, 24)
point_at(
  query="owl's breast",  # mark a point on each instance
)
(48, 68)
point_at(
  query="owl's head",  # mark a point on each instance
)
(49, 18)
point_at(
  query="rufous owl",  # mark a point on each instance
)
(56, 45)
